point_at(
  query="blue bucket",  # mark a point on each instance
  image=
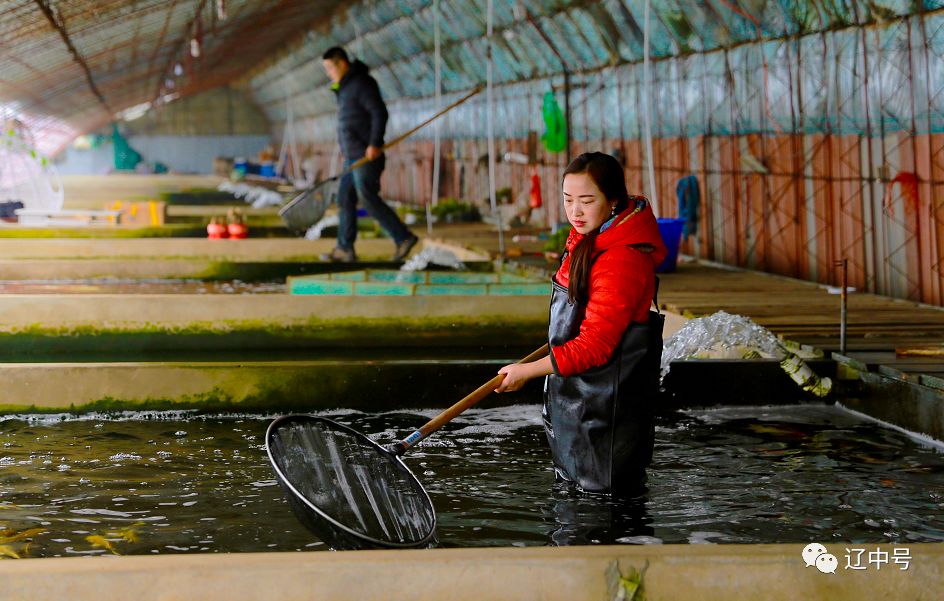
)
(671, 230)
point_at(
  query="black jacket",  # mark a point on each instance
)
(362, 114)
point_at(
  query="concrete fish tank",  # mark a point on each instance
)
(373, 282)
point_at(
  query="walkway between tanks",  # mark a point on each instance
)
(798, 310)
(704, 572)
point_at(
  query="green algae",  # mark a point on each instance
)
(280, 387)
(271, 334)
(158, 231)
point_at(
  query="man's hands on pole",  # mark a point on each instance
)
(372, 153)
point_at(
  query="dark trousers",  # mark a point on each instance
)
(364, 184)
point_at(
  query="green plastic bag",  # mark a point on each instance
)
(555, 138)
(126, 158)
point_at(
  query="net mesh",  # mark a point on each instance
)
(352, 481)
(306, 209)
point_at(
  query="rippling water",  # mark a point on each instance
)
(170, 483)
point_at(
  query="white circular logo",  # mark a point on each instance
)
(811, 552)
(826, 563)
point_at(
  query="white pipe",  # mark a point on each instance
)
(647, 128)
(436, 142)
(491, 134)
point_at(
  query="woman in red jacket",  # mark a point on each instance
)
(606, 343)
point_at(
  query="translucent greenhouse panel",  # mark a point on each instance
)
(780, 87)
(400, 40)
(748, 95)
(630, 35)
(935, 106)
(872, 86)
(378, 13)
(522, 55)
(503, 14)
(892, 56)
(803, 17)
(590, 104)
(571, 42)
(677, 18)
(454, 76)
(612, 115)
(606, 24)
(467, 18)
(599, 49)
(774, 21)
(816, 74)
(659, 36)
(539, 54)
(399, 82)
(718, 99)
(691, 95)
(386, 79)
(730, 27)
(629, 99)
(472, 61)
(578, 110)
(884, 9)
(708, 32)
(504, 63)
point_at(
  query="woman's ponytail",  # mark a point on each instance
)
(580, 261)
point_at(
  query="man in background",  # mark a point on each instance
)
(362, 120)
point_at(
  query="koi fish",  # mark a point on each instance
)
(129, 534)
(97, 540)
(12, 536)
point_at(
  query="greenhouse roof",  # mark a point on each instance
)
(71, 66)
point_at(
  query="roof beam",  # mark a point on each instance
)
(180, 49)
(51, 17)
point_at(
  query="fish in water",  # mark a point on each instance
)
(129, 534)
(11, 536)
(779, 431)
(98, 540)
(7, 551)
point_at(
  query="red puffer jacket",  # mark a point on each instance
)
(622, 283)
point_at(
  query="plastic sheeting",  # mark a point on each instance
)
(854, 80)
(727, 67)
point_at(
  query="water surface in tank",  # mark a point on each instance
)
(150, 483)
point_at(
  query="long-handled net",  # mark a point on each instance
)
(351, 492)
(347, 489)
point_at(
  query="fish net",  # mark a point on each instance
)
(308, 207)
(345, 488)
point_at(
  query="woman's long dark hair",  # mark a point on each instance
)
(607, 174)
